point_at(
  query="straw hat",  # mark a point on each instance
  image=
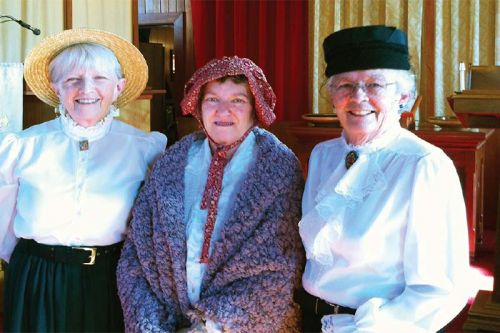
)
(36, 64)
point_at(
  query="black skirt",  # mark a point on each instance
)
(49, 289)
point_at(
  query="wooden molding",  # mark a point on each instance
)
(68, 14)
(428, 53)
(157, 18)
(484, 314)
(135, 23)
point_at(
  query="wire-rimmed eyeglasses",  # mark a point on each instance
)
(371, 89)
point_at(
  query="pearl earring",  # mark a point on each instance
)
(114, 111)
(59, 109)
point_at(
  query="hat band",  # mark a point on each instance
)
(373, 57)
(346, 48)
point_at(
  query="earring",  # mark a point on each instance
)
(59, 109)
(114, 111)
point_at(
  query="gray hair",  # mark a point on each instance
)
(84, 55)
(405, 83)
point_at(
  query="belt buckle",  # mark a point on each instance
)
(336, 307)
(92, 255)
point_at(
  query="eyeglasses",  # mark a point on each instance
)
(371, 89)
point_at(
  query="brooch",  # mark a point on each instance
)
(84, 145)
(350, 158)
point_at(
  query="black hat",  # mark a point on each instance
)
(369, 47)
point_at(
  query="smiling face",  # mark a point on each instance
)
(366, 102)
(227, 110)
(87, 94)
(87, 80)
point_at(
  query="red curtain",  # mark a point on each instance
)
(273, 33)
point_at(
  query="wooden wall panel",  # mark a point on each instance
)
(492, 178)
(68, 14)
(137, 113)
(35, 111)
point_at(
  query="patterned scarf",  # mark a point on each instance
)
(213, 189)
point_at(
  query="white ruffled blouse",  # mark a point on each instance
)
(64, 184)
(195, 178)
(388, 236)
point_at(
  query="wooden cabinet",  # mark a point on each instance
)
(163, 34)
(466, 147)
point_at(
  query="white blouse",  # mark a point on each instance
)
(55, 191)
(195, 178)
(387, 236)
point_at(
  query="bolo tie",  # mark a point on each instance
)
(350, 158)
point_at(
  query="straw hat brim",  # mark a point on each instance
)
(36, 64)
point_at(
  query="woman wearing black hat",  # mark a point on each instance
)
(384, 223)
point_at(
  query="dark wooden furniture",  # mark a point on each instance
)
(483, 107)
(466, 147)
(167, 24)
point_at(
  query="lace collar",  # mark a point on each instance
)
(93, 133)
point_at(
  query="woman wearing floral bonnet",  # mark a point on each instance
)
(67, 185)
(213, 244)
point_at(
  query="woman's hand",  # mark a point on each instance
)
(195, 328)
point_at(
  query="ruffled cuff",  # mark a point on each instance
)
(342, 323)
(213, 327)
(208, 327)
(364, 320)
(195, 328)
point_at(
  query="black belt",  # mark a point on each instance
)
(84, 255)
(319, 306)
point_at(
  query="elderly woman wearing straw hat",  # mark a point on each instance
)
(67, 186)
(213, 244)
(383, 221)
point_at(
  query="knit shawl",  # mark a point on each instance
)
(254, 267)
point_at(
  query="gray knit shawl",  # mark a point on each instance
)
(254, 267)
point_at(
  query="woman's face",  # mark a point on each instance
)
(87, 93)
(227, 110)
(366, 102)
